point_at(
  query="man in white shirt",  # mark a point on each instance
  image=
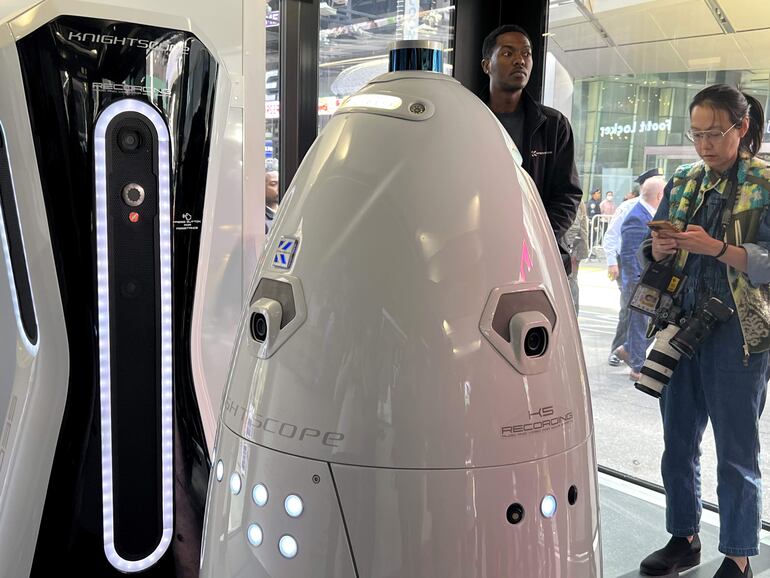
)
(612, 248)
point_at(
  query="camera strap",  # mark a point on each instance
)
(728, 204)
(680, 258)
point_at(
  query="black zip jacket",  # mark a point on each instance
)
(549, 158)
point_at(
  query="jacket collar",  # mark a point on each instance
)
(534, 115)
(531, 108)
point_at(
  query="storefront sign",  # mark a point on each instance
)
(643, 126)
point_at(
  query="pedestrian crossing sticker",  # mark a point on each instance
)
(284, 254)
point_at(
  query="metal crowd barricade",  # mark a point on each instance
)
(596, 229)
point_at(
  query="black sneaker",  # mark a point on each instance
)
(613, 360)
(729, 569)
(676, 556)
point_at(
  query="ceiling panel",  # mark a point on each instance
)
(683, 18)
(652, 57)
(747, 15)
(655, 36)
(577, 37)
(713, 53)
(564, 14)
(594, 62)
(605, 5)
(631, 25)
(756, 47)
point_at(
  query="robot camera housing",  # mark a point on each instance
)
(264, 326)
(530, 336)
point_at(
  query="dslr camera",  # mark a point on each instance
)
(674, 341)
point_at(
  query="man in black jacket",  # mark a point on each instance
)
(542, 134)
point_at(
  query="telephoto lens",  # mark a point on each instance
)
(660, 363)
(700, 326)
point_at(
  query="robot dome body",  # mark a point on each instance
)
(408, 395)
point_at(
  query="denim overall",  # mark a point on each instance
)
(722, 384)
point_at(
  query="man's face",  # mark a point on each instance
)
(510, 65)
(271, 186)
(597, 195)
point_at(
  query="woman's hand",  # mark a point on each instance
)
(663, 244)
(696, 240)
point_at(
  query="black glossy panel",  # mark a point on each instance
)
(73, 68)
(16, 245)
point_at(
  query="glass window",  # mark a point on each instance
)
(624, 73)
(354, 38)
(272, 80)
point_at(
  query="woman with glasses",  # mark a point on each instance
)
(719, 209)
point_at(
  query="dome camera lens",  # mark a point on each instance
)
(129, 140)
(258, 327)
(514, 514)
(536, 342)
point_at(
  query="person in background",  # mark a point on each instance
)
(607, 206)
(633, 231)
(271, 192)
(594, 204)
(718, 207)
(576, 239)
(542, 134)
(612, 244)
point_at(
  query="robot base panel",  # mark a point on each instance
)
(381, 522)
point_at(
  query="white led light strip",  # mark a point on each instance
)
(28, 345)
(102, 257)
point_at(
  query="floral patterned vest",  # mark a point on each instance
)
(751, 202)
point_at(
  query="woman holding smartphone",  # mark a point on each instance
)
(720, 235)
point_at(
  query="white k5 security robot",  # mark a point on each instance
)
(408, 396)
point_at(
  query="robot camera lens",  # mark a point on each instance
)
(515, 513)
(536, 342)
(130, 289)
(133, 194)
(129, 140)
(258, 327)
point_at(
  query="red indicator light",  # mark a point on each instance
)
(133, 216)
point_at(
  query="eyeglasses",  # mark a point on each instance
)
(699, 136)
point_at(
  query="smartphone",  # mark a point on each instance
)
(662, 226)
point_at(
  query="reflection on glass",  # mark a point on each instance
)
(354, 38)
(624, 72)
(272, 79)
